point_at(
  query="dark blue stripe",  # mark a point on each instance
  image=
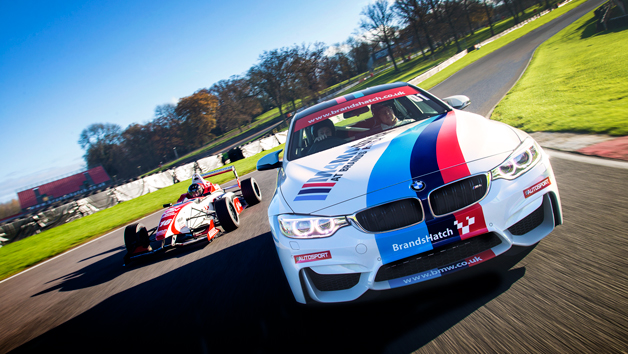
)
(315, 190)
(423, 158)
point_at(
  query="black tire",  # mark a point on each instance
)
(135, 235)
(227, 214)
(250, 191)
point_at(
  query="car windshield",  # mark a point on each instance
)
(329, 128)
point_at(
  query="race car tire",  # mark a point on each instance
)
(251, 191)
(227, 214)
(135, 235)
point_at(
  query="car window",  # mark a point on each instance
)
(315, 133)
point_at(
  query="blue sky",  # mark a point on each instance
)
(67, 64)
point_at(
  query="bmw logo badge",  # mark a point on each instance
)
(417, 186)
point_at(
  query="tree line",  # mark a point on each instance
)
(292, 77)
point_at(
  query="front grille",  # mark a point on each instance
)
(528, 223)
(391, 216)
(458, 195)
(439, 257)
(330, 282)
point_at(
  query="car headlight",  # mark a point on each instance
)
(519, 162)
(301, 226)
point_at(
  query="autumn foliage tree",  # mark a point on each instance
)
(237, 104)
(198, 118)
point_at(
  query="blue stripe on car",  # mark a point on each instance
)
(315, 190)
(311, 197)
(398, 153)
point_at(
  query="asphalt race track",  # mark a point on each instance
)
(568, 294)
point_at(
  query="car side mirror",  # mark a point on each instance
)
(167, 205)
(270, 161)
(458, 101)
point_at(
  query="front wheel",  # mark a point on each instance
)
(135, 235)
(227, 214)
(250, 191)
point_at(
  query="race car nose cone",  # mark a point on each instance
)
(417, 186)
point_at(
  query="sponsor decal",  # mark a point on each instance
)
(238, 205)
(462, 229)
(537, 187)
(399, 244)
(350, 102)
(212, 231)
(437, 272)
(321, 184)
(166, 220)
(311, 257)
(470, 222)
(423, 240)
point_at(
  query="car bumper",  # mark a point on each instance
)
(344, 266)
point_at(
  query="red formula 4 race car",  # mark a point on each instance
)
(194, 217)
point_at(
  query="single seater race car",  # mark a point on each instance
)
(194, 217)
(391, 186)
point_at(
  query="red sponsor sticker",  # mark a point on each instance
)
(470, 222)
(537, 187)
(311, 257)
(212, 231)
(238, 205)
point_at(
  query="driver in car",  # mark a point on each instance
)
(386, 117)
(198, 188)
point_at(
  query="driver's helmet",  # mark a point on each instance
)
(196, 190)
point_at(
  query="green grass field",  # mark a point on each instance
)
(576, 82)
(22, 254)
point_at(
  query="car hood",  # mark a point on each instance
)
(380, 168)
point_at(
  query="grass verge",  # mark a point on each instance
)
(22, 254)
(576, 82)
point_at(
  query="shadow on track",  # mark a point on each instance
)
(238, 300)
(111, 267)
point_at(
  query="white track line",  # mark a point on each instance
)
(73, 249)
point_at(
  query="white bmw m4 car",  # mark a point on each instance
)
(391, 186)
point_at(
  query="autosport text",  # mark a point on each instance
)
(311, 257)
(537, 187)
(423, 240)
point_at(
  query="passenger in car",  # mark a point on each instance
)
(323, 130)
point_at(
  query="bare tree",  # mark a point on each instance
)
(416, 14)
(271, 75)
(379, 22)
(489, 15)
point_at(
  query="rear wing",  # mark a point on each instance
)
(221, 171)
